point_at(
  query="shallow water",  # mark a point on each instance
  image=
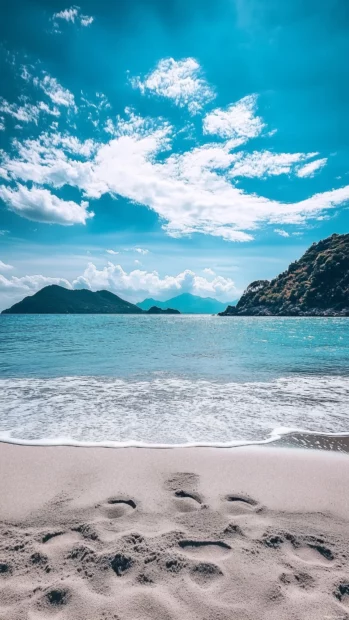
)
(171, 379)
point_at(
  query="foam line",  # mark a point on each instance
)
(275, 435)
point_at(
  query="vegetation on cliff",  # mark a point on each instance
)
(315, 285)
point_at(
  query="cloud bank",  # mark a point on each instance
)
(133, 286)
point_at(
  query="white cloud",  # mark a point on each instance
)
(238, 122)
(86, 20)
(40, 205)
(109, 127)
(315, 205)
(69, 15)
(73, 15)
(4, 232)
(138, 284)
(309, 169)
(26, 74)
(265, 163)
(45, 108)
(68, 143)
(36, 282)
(137, 262)
(59, 95)
(135, 125)
(191, 192)
(55, 91)
(281, 232)
(4, 266)
(30, 283)
(2, 123)
(4, 174)
(181, 81)
(138, 250)
(209, 271)
(14, 289)
(96, 109)
(25, 113)
(46, 160)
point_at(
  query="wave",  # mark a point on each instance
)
(169, 411)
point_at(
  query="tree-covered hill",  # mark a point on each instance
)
(315, 285)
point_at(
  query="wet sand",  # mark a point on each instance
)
(314, 441)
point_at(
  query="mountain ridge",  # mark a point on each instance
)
(55, 299)
(187, 303)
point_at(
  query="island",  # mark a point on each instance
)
(54, 299)
(315, 285)
(156, 310)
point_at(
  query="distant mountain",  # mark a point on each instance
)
(187, 304)
(315, 285)
(56, 299)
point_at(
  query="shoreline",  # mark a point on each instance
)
(279, 438)
(175, 533)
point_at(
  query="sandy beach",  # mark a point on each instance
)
(204, 534)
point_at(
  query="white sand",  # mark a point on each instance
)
(206, 534)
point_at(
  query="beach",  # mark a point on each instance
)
(194, 533)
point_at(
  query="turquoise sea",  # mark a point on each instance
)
(170, 379)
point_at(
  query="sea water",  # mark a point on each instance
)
(169, 380)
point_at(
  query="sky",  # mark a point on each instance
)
(154, 148)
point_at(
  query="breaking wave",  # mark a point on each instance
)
(169, 411)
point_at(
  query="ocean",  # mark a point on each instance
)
(170, 380)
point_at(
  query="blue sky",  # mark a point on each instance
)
(154, 147)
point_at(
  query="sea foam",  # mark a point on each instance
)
(169, 411)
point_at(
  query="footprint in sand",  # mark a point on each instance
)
(232, 531)
(299, 580)
(186, 501)
(50, 535)
(183, 486)
(314, 554)
(239, 504)
(5, 569)
(342, 593)
(205, 574)
(86, 531)
(312, 551)
(117, 507)
(59, 538)
(54, 599)
(121, 564)
(210, 549)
